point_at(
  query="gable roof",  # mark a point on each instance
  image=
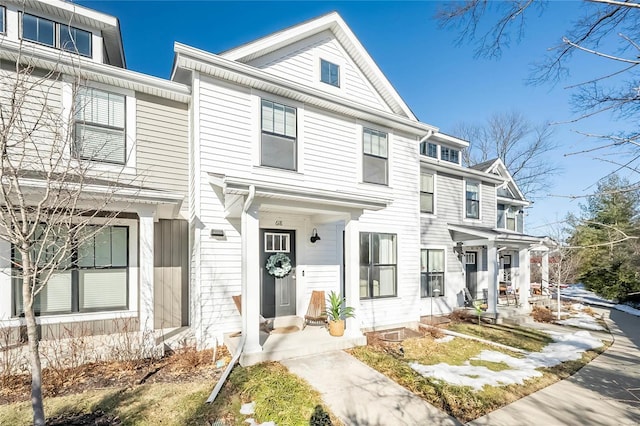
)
(334, 23)
(496, 166)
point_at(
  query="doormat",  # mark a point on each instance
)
(285, 330)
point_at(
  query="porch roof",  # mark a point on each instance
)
(235, 189)
(479, 235)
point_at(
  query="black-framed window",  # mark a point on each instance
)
(449, 154)
(375, 158)
(329, 73)
(3, 19)
(100, 126)
(93, 277)
(432, 268)
(279, 135)
(378, 265)
(55, 34)
(429, 149)
(472, 200)
(427, 192)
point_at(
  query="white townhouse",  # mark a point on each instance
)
(133, 132)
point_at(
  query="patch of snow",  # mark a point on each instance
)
(247, 409)
(577, 306)
(566, 347)
(444, 339)
(628, 309)
(582, 320)
(252, 422)
(577, 292)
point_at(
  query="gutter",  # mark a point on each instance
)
(243, 339)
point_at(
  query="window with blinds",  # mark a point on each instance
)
(375, 159)
(100, 126)
(279, 134)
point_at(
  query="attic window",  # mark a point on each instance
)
(54, 34)
(329, 73)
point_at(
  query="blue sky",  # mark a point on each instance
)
(442, 83)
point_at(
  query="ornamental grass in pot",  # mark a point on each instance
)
(337, 312)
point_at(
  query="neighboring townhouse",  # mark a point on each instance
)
(133, 130)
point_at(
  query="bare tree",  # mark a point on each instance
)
(607, 32)
(522, 146)
(50, 198)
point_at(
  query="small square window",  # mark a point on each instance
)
(329, 73)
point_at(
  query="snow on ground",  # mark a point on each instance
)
(578, 293)
(581, 319)
(566, 347)
(444, 339)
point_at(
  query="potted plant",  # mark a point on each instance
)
(337, 312)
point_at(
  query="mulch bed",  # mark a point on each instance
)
(180, 366)
(97, 418)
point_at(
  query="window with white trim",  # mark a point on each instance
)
(431, 272)
(94, 276)
(429, 149)
(510, 217)
(279, 136)
(57, 35)
(275, 242)
(449, 154)
(329, 73)
(375, 157)
(100, 126)
(427, 192)
(472, 200)
(377, 265)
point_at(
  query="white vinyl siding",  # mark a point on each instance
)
(100, 126)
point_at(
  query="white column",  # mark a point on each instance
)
(5, 280)
(352, 273)
(492, 273)
(545, 272)
(524, 278)
(250, 223)
(145, 233)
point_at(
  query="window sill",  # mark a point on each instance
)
(373, 299)
(74, 317)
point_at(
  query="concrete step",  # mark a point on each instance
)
(516, 319)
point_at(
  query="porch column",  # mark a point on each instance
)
(145, 233)
(250, 223)
(352, 273)
(492, 273)
(524, 278)
(545, 272)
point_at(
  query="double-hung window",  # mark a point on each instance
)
(377, 265)
(279, 135)
(472, 200)
(449, 154)
(427, 193)
(53, 34)
(99, 131)
(93, 276)
(431, 273)
(375, 159)
(329, 73)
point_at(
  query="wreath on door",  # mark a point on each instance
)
(279, 265)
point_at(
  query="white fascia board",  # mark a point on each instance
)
(506, 200)
(333, 22)
(457, 170)
(67, 9)
(448, 139)
(503, 168)
(71, 64)
(238, 73)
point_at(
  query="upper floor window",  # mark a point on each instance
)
(50, 33)
(472, 200)
(426, 192)
(450, 154)
(279, 134)
(2, 20)
(329, 73)
(99, 130)
(431, 273)
(429, 149)
(375, 167)
(377, 265)
(511, 218)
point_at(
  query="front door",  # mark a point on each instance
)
(277, 295)
(471, 270)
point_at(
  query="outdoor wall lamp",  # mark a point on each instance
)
(314, 236)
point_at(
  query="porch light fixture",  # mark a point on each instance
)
(314, 236)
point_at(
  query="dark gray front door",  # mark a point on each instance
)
(277, 295)
(471, 269)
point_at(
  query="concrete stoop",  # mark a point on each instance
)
(513, 316)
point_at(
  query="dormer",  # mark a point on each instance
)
(443, 148)
(59, 27)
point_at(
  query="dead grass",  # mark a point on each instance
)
(462, 402)
(518, 337)
(542, 314)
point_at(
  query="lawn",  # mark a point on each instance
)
(464, 402)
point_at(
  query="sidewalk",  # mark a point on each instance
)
(361, 396)
(604, 392)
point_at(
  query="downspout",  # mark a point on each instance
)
(243, 339)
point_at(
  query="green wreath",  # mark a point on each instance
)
(279, 265)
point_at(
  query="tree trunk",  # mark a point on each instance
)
(28, 281)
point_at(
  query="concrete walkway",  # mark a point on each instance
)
(359, 395)
(604, 392)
